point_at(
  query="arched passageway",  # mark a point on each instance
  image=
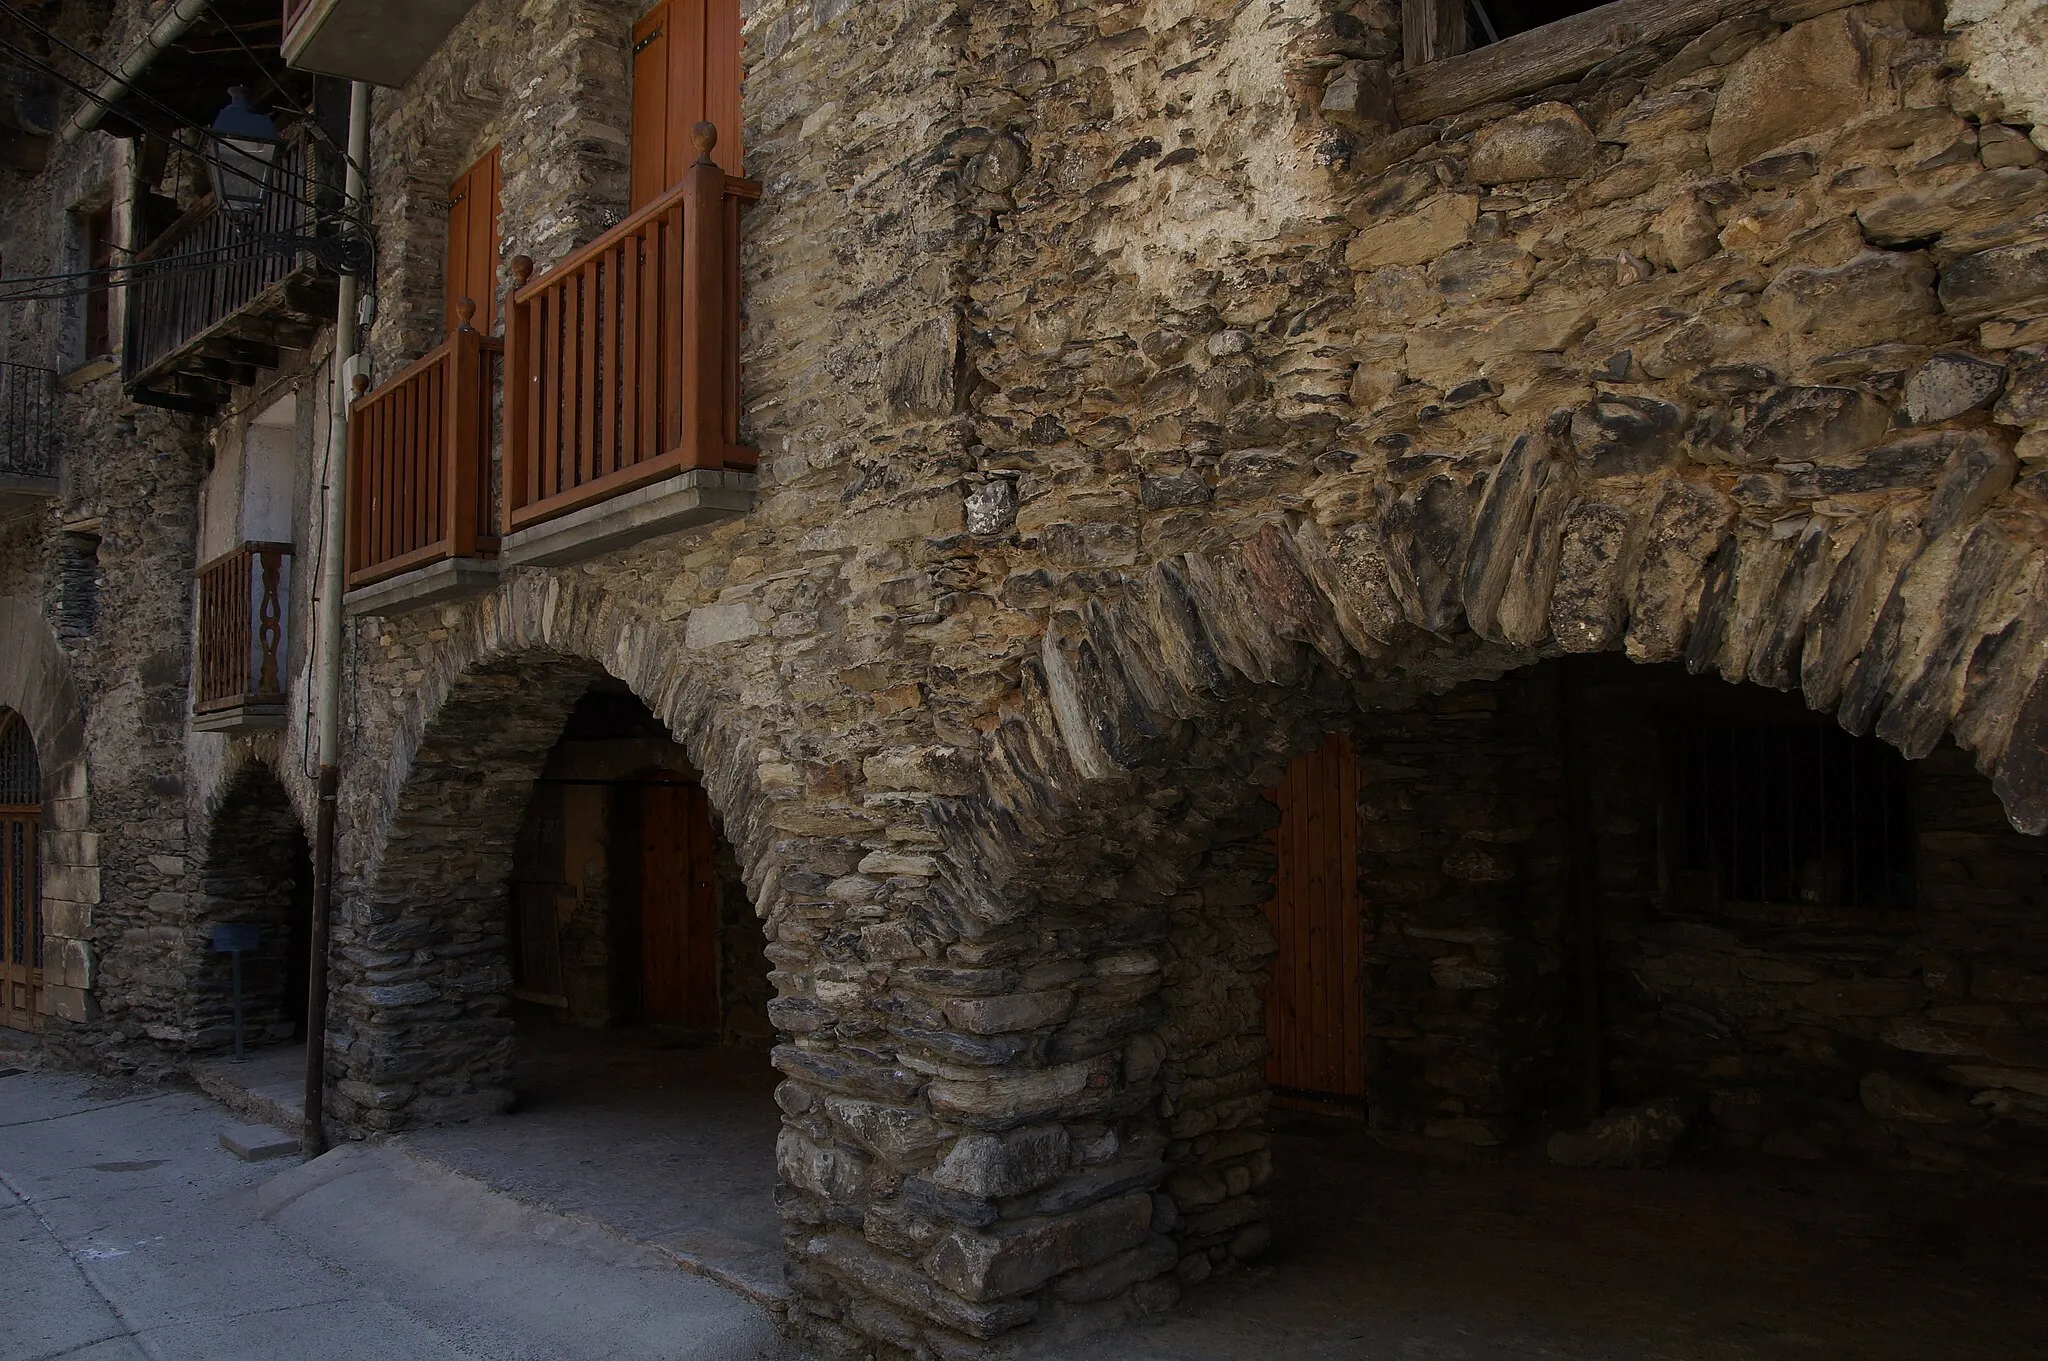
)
(1535, 935)
(257, 875)
(554, 976)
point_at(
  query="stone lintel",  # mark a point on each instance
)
(449, 579)
(241, 718)
(696, 497)
(20, 493)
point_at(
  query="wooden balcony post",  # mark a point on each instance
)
(703, 318)
(465, 435)
(520, 377)
(358, 480)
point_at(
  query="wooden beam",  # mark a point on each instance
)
(236, 350)
(1562, 51)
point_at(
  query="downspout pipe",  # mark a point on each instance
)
(329, 625)
(166, 31)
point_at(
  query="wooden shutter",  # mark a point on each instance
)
(1315, 1005)
(686, 70)
(473, 202)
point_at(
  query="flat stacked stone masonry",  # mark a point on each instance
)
(1132, 413)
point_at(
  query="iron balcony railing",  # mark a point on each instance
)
(28, 424)
(200, 295)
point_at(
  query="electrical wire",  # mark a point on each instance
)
(36, 61)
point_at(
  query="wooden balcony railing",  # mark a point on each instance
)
(622, 361)
(193, 292)
(242, 599)
(419, 461)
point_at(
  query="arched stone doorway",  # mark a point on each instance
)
(21, 875)
(1047, 1094)
(257, 872)
(550, 837)
(552, 974)
(36, 685)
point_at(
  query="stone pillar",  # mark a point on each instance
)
(1463, 858)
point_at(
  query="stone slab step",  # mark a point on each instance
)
(258, 1143)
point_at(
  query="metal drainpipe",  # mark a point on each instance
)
(329, 625)
(166, 31)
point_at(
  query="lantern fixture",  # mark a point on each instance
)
(245, 144)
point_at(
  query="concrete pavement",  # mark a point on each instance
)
(126, 1231)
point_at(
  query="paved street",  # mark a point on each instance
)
(130, 1233)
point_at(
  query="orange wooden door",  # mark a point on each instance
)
(678, 907)
(1315, 1006)
(473, 206)
(686, 70)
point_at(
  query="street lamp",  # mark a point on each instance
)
(245, 144)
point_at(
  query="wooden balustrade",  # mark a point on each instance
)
(622, 361)
(243, 597)
(419, 461)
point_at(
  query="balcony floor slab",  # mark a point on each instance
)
(449, 579)
(696, 497)
(241, 718)
(20, 493)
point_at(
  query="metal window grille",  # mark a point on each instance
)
(21, 780)
(1797, 814)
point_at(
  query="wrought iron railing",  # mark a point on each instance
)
(243, 597)
(28, 424)
(211, 264)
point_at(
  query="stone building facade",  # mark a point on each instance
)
(1143, 393)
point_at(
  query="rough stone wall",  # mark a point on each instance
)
(420, 1017)
(743, 988)
(1125, 421)
(550, 84)
(1902, 1035)
(110, 566)
(256, 869)
(1462, 851)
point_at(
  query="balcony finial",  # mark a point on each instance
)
(522, 270)
(705, 135)
(465, 310)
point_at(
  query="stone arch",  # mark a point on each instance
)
(255, 869)
(437, 854)
(1032, 1005)
(36, 682)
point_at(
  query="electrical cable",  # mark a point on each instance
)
(36, 61)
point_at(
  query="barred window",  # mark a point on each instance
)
(1797, 814)
(21, 781)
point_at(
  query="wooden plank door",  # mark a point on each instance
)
(678, 907)
(686, 69)
(474, 201)
(1315, 1006)
(21, 916)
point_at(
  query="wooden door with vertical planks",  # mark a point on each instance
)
(678, 906)
(21, 877)
(1315, 1006)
